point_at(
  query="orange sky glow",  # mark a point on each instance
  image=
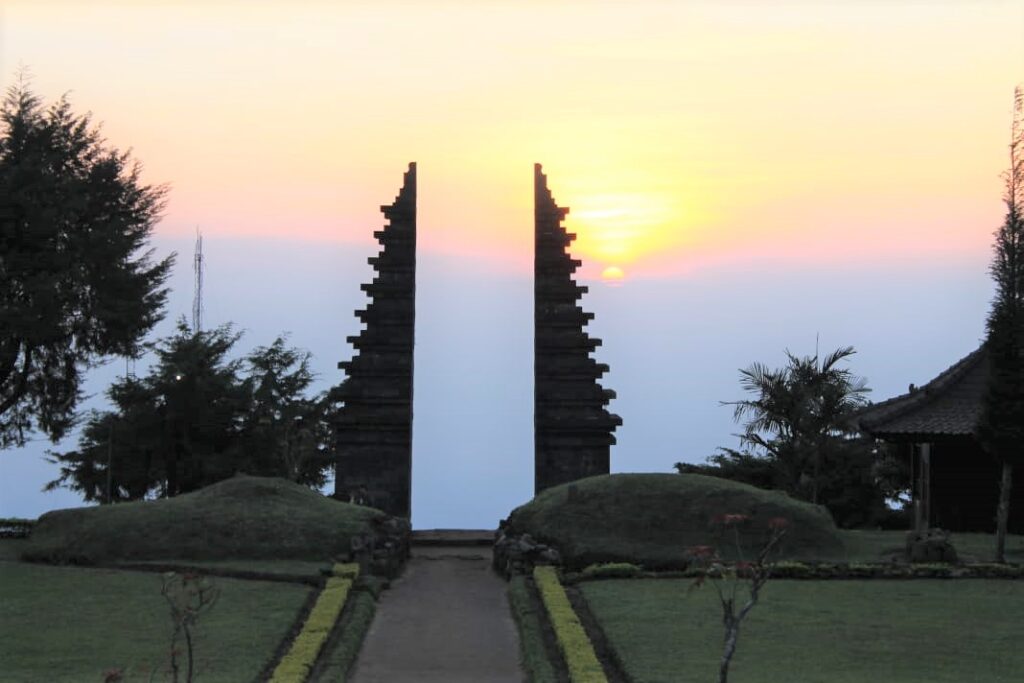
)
(682, 135)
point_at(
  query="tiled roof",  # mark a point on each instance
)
(949, 405)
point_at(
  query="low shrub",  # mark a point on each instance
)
(295, 666)
(611, 570)
(580, 658)
(16, 527)
(348, 570)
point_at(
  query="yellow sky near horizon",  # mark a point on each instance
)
(682, 135)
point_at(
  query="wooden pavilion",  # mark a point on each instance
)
(955, 482)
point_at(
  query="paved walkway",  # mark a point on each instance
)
(445, 619)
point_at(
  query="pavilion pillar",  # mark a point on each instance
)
(926, 487)
(918, 485)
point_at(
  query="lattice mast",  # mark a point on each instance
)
(374, 429)
(197, 298)
(573, 430)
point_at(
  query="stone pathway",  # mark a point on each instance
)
(445, 619)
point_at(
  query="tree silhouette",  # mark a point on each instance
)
(76, 283)
(1001, 427)
(800, 411)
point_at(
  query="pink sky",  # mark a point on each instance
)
(682, 135)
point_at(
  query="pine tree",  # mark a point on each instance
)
(1001, 428)
(76, 280)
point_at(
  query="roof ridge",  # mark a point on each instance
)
(920, 396)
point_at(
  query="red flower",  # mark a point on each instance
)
(701, 551)
(730, 520)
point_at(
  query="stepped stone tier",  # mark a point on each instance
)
(373, 432)
(571, 424)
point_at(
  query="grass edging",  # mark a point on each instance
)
(533, 653)
(786, 569)
(297, 663)
(342, 648)
(580, 658)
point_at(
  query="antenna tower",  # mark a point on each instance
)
(197, 301)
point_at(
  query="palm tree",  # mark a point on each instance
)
(799, 412)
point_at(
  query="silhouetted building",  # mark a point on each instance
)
(955, 482)
(374, 428)
(572, 427)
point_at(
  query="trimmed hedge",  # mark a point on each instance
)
(580, 658)
(532, 652)
(16, 527)
(342, 649)
(348, 570)
(295, 666)
(822, 571)
(611, 570)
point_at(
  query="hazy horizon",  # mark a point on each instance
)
(763, 174)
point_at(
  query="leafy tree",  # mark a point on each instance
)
(286, 434)
(197, 418)
(1001, 428)
(174, 431)
(76, 281)
(796, 428)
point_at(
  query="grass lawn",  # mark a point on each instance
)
(920, 631)
(73, 623)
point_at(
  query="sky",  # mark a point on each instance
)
(743, 177)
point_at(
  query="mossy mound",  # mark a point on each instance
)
(239, 518)
(651, 519)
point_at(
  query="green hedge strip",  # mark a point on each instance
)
(295, 666)
(572, 638)
(528, 618)
(822, 571)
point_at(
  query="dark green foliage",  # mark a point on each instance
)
(76, 281)
(16, 527)
(285, 434)
(198, 418)
(527, 611)
(1001, 427)
(796, 425)
(240, 518)
(650, 519)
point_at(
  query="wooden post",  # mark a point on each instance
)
(926, 487)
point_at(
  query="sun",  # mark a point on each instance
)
(613, 275)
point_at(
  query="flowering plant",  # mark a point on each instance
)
(755, 573)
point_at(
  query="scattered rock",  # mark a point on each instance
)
(519, 554)
(930, 545)
(384, 552)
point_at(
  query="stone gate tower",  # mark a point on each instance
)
(571, 425)
(374, 428)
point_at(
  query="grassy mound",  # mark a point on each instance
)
(239, 518)
(651, 519)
